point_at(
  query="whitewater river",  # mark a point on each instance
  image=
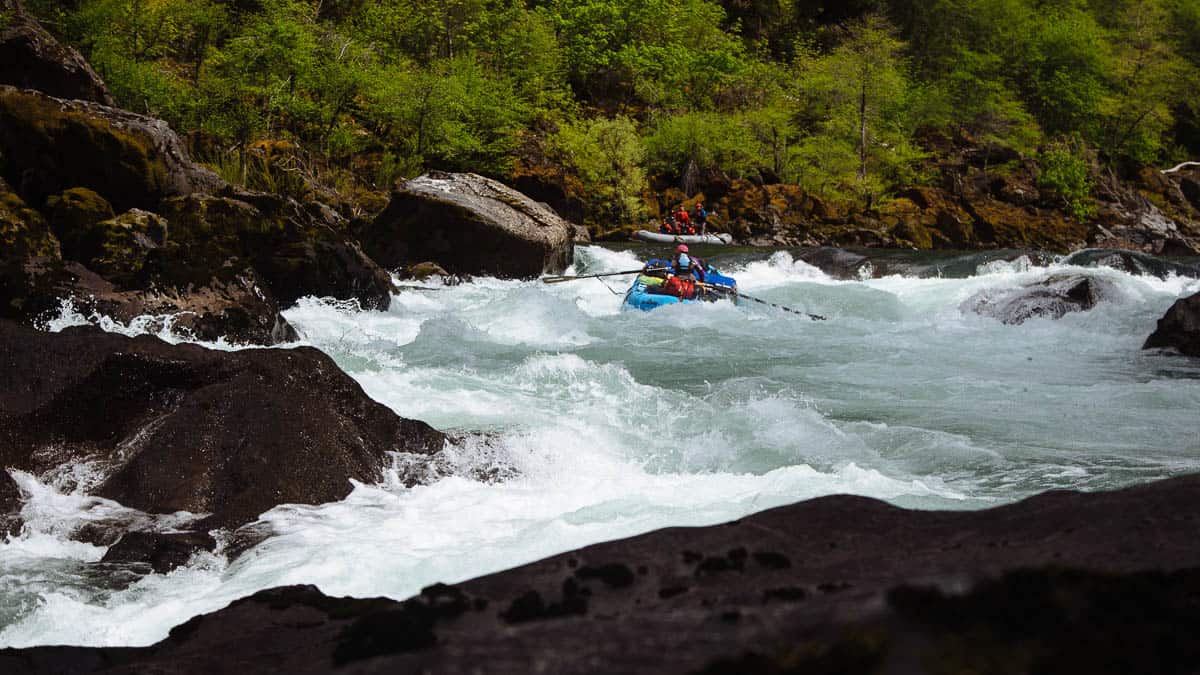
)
(583, 423)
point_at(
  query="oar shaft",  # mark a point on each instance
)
(561, 279)
(814, 317)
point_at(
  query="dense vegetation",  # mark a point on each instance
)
(606, 95)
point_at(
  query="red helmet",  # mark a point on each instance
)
(682, 248)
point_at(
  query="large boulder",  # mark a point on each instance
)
(30, 58)
(1051, 298)
(183, 428)
(1179, 329)
(48, 145)
(469, 224)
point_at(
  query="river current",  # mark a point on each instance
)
(582, 423)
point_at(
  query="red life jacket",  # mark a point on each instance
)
(680, 288)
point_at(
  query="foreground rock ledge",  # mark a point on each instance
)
(183, 428)
(1062, 582)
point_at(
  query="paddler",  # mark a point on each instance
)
(684, 265)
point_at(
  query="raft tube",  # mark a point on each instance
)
(660, 238)
(641, 295)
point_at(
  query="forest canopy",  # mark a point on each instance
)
(612, 95)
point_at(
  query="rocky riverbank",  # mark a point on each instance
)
(980, 197)
(1062, 582)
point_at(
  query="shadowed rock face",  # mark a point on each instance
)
(1179, 329)
(1052, 298)
(131, 160)
(182, 428)
(30, 58)
(469, 224)
(1105, 582)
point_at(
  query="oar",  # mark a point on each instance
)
(739, 294)
(559, 280)
(814, 317)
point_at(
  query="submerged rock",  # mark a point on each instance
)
(1062, 582)
(182, 428)
(837, 263)
(30, 58)
(161, 551)
(1132, 262)
(470, 225)
(1052, 298)
(1179, 329)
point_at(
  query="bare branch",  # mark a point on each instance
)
(1181, 166)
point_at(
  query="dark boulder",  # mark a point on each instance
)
(1189, 185)
(50, 145)
(160, 551)
(10, 505)
(297, 249)
(183, 428)
(120, 248)
(837, 263)
(30, 58)
(24, 237)
(470, 225)
(1179, 329)
(1051, 298)
(1131, 262)
(73, 217)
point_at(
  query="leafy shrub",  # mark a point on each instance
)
(1065, 173)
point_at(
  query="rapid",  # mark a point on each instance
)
(581, 423)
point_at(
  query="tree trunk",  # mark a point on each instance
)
(862, 133)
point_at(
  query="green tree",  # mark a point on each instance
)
(854, 96)
(606, 155)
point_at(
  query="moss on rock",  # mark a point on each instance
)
(74, 215)
(23, 231)
(126, 243)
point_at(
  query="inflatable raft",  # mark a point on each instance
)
(646, 292)
(660, 238)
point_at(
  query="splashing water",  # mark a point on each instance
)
(584, 423)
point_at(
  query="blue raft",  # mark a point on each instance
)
(644, 293)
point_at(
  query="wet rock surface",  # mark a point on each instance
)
(1104, 581)
(1051, 298)
(1179, 329)
(160, 552)
(469, 225)
(183, 428)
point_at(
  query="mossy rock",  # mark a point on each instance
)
(133, 161)
(126, 243)
(73, 217)
(23, 231)
(205, 233)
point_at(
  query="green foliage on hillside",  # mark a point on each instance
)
(838, 97)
